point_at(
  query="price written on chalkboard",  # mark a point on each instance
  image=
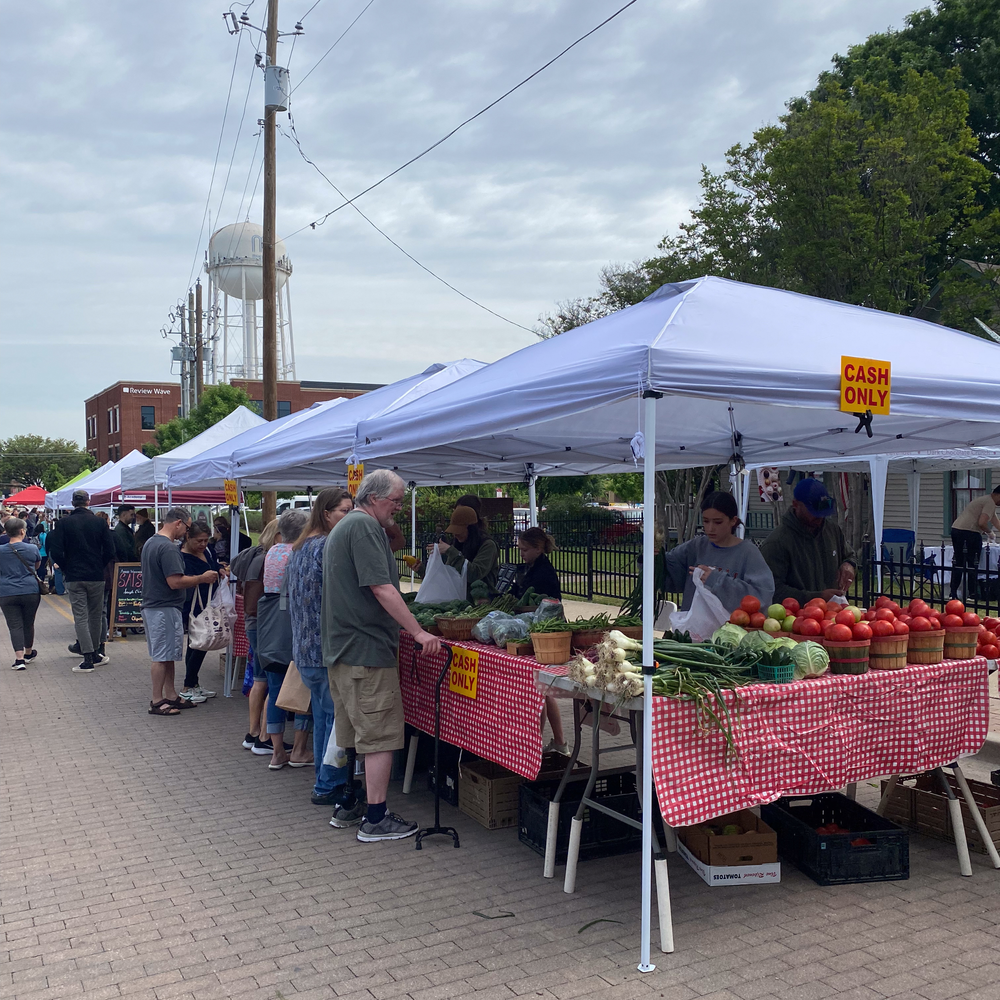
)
(126, 594)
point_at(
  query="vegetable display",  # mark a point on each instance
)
(810, 659)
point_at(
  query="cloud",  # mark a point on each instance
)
(115, 119)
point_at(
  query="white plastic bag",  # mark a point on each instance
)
(441, 583)
(225, 598)
(208, 628)
(705, 615)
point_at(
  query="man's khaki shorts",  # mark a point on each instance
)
(368, 708)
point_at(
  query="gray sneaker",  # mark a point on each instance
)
(344, 817)
(392, 827)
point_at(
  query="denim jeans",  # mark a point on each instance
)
(277, 717)
(327, 778)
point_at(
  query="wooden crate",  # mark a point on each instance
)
(923, 807)
(488, 793)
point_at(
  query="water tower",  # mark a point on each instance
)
(235, 276)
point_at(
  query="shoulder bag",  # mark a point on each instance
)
(208, 628)
(43, 587)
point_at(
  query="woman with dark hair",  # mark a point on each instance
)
(198, 557)
(19, 598)
(332, 786)
(473, 547)
(733, 568)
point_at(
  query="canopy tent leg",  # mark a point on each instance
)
(648, 603)
(532, 504)
(234, 551)
(413, 532)
(170, 496)
(156, 506)
(879, 465)
(913, 493)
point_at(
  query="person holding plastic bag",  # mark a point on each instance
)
(474, 552)
(731, 568)
(198, 557)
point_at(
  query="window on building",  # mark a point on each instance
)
(91, 427)
(148, 418)
(111, 454)
(118, 419)
(111, 420)
(284, 407)
(965, 487)
(118, 452)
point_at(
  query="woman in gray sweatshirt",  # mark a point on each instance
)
(735, 568)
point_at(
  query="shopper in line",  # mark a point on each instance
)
(333, 786)
(124, 536)
(198, 557)
(81, 546)
(163, 584)
(363, 611)
(19, 597)
(144, 530)
(977, 520)
(473, 547)
(222, 540)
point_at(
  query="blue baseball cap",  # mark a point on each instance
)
(812, 494)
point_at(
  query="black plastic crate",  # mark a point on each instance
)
(831, 858)
(448, 757)
(602, 836)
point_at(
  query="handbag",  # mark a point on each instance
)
(208, 628)
(294, 696)
(43, 587)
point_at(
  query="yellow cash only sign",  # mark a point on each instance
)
(355, 473)
(865, 384)
(464, 673)
(232, 493)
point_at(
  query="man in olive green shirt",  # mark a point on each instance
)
(361, 616)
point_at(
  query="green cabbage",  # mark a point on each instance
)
(756, 641)
(810, 659)
(729, 635)
(779, 639)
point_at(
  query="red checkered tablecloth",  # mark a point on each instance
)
(817, 735)
(502, 723)
(240, 645)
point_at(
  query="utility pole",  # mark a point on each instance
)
(270, 337)
(185, 367)
(199, 358)
(192, 354)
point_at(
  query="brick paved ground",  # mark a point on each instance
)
(154, 858)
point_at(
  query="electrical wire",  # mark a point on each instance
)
(335, 44)
(472, 118)
(295, 139)
(310, 10)
(236, 143)
(246, 183)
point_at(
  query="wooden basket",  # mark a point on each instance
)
(456, 629)
(585, 638)
(552, 647)
(848, 657)
(888, 652)
(960, 643)
(926, 647)
(629, 631)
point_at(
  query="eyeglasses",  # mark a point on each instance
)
(397, 501)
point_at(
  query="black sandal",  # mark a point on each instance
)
(181, 703)
(163, 708)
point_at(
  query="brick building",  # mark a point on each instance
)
(122, 417)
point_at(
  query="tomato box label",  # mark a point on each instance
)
(865, 384)
(464, 673)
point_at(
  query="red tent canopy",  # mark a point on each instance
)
(146, 498)
(33, 496)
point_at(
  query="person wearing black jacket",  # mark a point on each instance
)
(145, 529)
(81, 545)
(125, 550)
(537, 573)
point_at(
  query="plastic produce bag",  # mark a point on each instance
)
(550, 608)
(441, 583)
(225, 599)
(706, 613)
(511, 630)
(482, 631)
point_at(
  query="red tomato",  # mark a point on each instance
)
(952, 621)
(884, 615)
(869, 615)
(900, 628)
(920, 624)
(845, 617)
(918, 608)
(797, 625)
(895, 609)
(991, 623)
(903, 617)
(841, 633)
(809, 626)
(970, 618)
(757, 619)
(814, 612)
(740, 617)
(790, 605)
(862, 630)
(750, 604)
(816, 601)
(988, 638)
(881, 628)
(954, 608)
(990, 652)
(883, 601)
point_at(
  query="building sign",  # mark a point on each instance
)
(865, 385)
(145, 391)
(355, 473)
(232, 492)
(464, 673)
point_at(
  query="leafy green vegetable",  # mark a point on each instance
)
(810, 659)
(729, 635)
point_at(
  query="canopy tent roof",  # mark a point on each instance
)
(746, 372)
(211, 467)
(106, 477)
(31, 496)
(150, 498)
(941, 460)
(316, 450)
(153, 472)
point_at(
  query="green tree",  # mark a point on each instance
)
(30, 460)
(217, 401)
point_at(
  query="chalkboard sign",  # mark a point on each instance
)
(126, 596)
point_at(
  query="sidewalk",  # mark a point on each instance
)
(154, 858)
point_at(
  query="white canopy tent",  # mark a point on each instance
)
(703, 372)
(152, 474)
(107, 477)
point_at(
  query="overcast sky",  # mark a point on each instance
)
(113, 117)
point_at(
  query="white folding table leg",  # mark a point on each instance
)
(551, 836)
(670, 838)
(851, 791)
(887, 794)
(573, 854)
(411, 761)
(977, 816)
(663, 903)
(961, 844)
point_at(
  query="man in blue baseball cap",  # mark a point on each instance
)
(807, 553)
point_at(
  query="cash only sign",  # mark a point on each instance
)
(865, 384)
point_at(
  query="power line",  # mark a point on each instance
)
(332, 47)
(236, 144)
(472, 118)
(295, 138)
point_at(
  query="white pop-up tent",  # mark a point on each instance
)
(702, 372)
(152, 474)
(107, 477)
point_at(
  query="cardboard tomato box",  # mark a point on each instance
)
(732, 859)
